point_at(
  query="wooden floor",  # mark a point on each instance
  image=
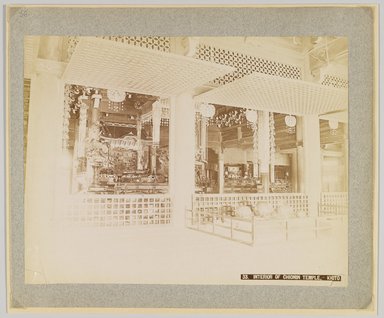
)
(169, 254)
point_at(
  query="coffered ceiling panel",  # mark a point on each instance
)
(108, 64)
(281, 95)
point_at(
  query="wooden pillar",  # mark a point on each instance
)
(156, 121)
(221, 172)
(293, 173)
(171, 144)
(203, 137)
(265, 182)
(44, 152)
(183, 157)
(345, 157)
(312, 161)
(263, 148)
(82, 128)
(95, 116)
(140, 150)
(300, 155)
(309, 154)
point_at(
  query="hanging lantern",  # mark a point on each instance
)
(251, 115)
(290, 121)
(115, 95)
(333, 125)
(207, 110)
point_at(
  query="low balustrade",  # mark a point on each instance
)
(117, 210)
(216, 214)
(333, 204)
(296, 203)
(224, 225)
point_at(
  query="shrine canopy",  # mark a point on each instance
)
(277, 94)
(109, 64)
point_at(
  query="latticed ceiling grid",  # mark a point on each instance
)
(244, 64)
(160, 43)
(334, 81)
(264, 92)
(109, 64)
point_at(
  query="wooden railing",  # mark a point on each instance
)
(215, 213)
(222, 225)
(117, 210)
(333, 204)
(297, 202)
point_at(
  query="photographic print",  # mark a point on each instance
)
(191, 159)
(210, 160)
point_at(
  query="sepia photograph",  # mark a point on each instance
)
(191, 159)
(210, 160)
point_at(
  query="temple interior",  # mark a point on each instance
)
(194, 138)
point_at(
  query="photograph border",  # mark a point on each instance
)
(27, 20)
